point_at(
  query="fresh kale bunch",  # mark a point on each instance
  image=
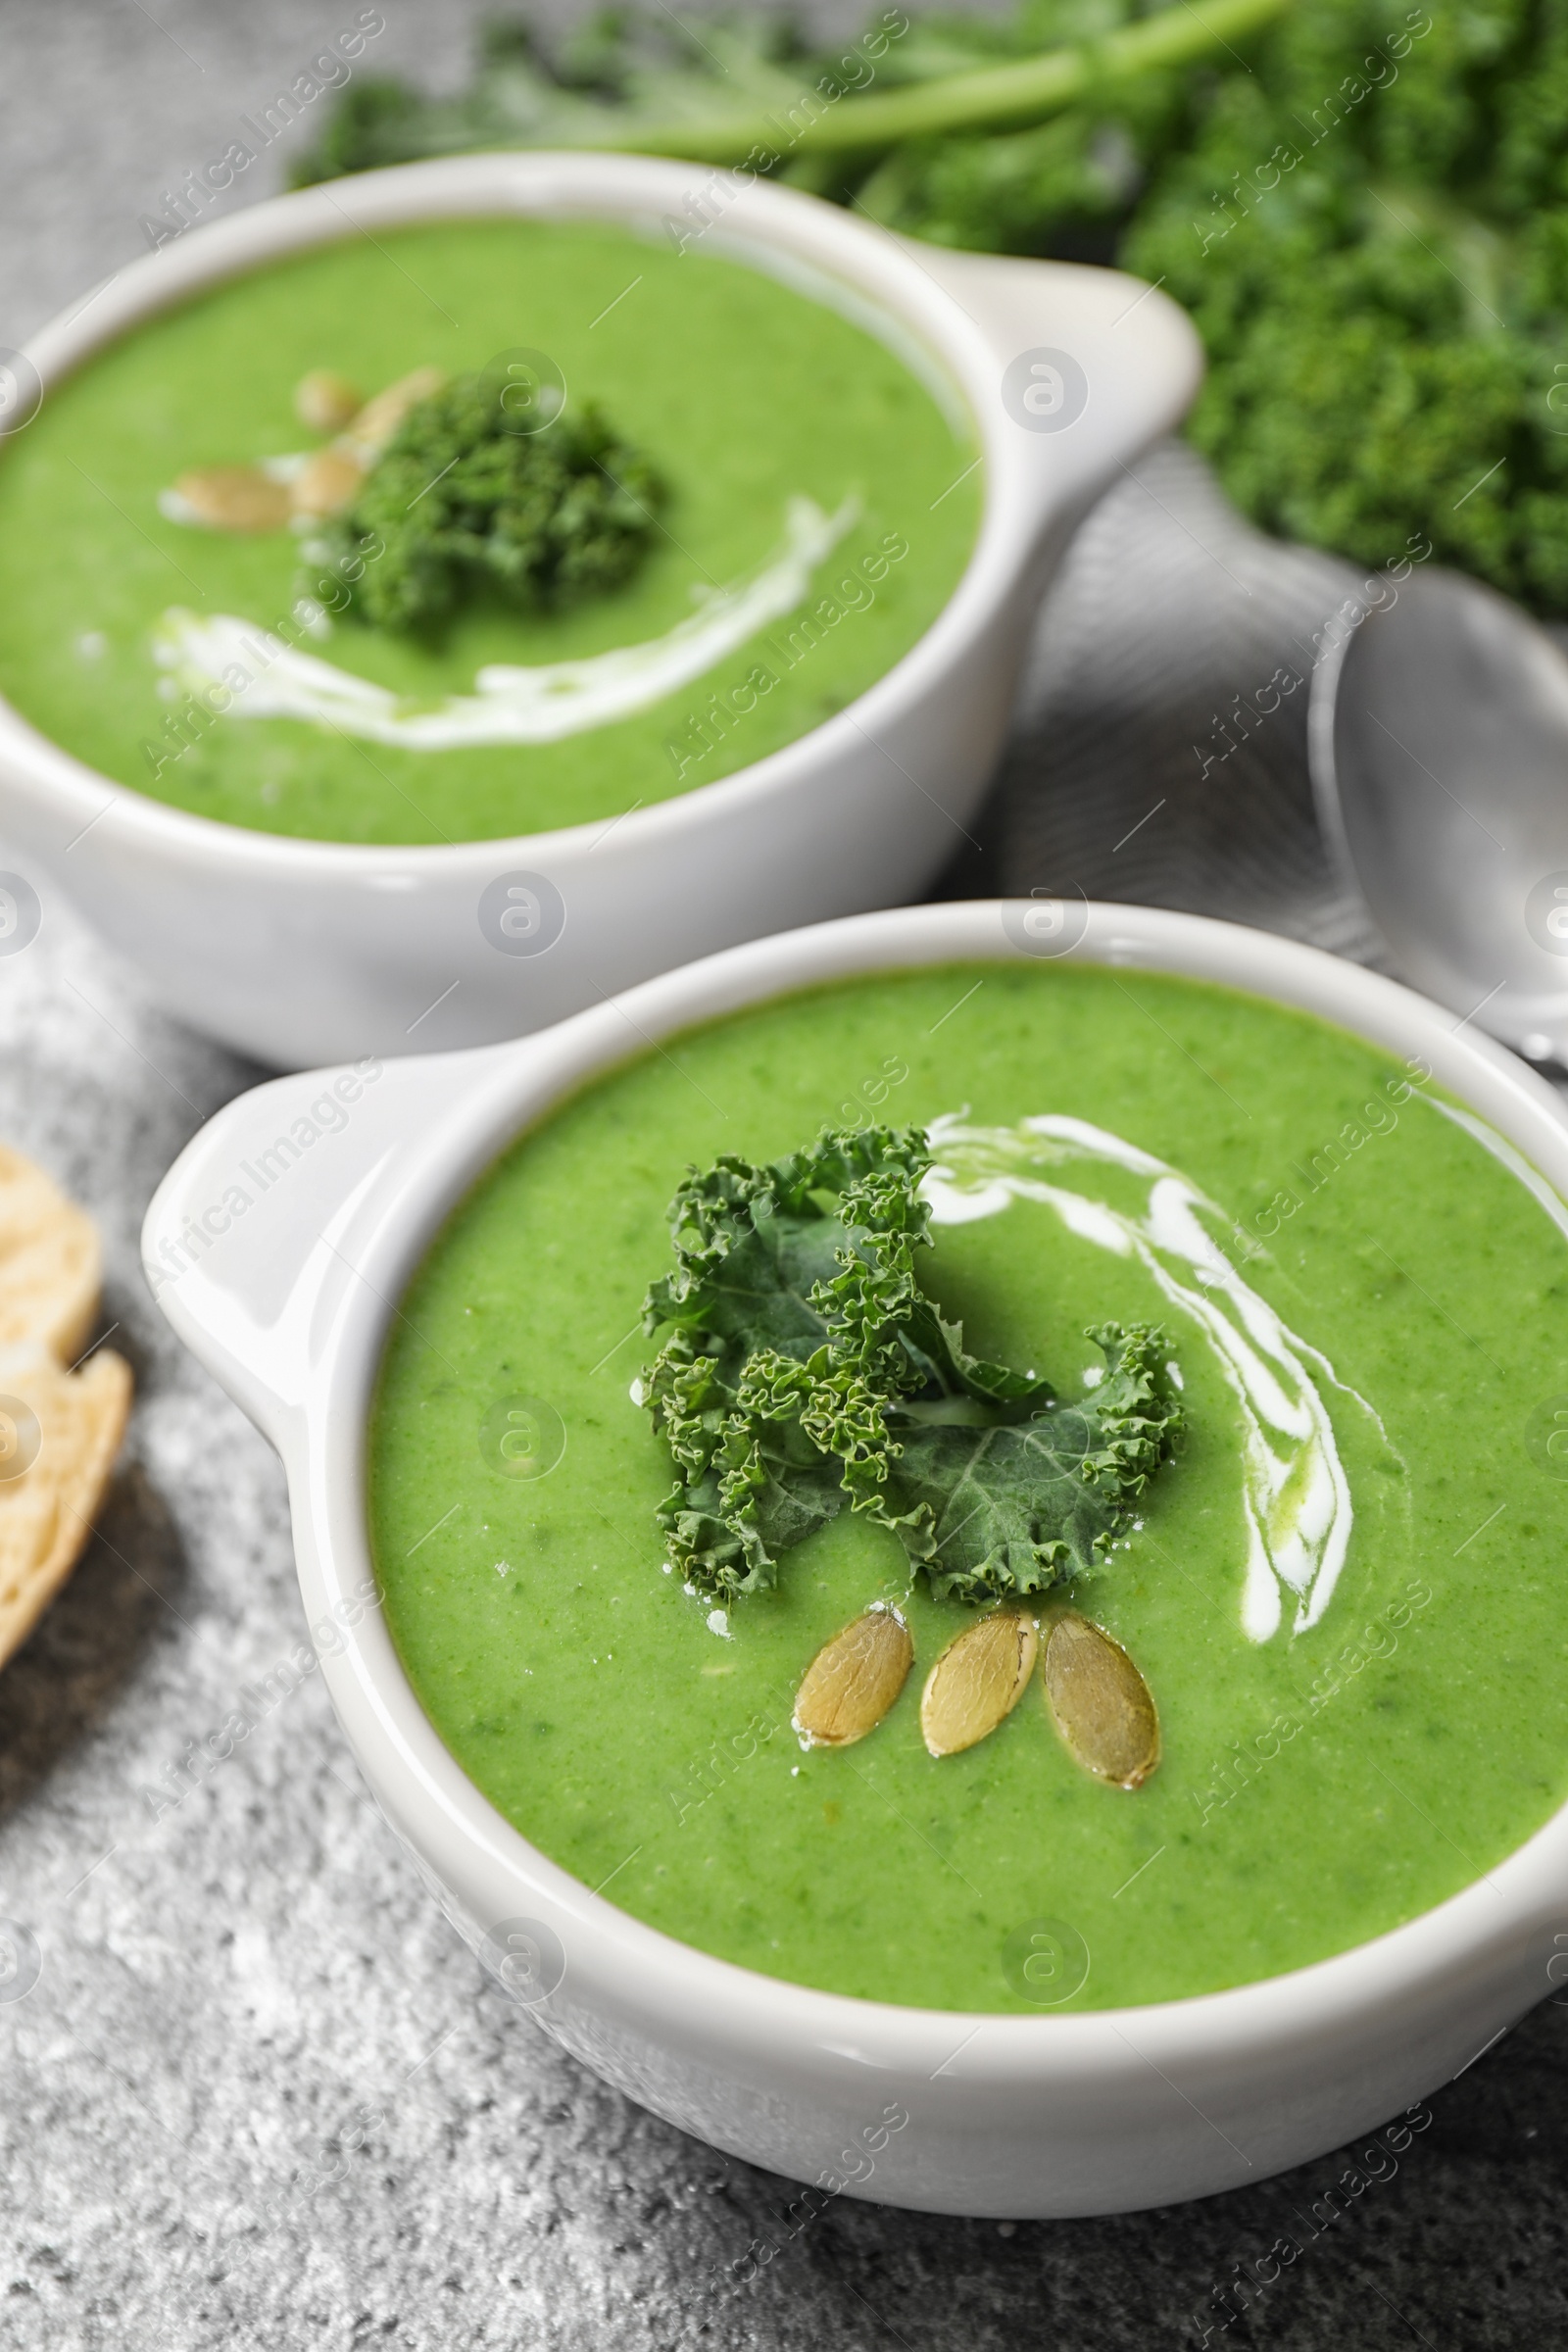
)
(1363, 203)
(1372, 234)
(802, 1363)
(1364, 206)
(461, 501)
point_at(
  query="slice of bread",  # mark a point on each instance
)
(60, 1431)
(50, 1265)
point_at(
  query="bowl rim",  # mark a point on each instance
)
(495, 1094)
(637, 192)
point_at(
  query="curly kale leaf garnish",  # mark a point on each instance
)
(460, 501)
(803, 1363)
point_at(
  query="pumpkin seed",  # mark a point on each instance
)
(1100, 1702)
(853, 1679)
(376, 423)
(978, 1682)
(327, 482)
(325, 400)
(233, 497)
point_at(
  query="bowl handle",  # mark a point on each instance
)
(255, 1232)
(1136, 353)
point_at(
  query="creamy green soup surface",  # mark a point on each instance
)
(1345, 1593)
(821, 506)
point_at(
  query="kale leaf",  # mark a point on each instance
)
(802, 1362)
(1008, 1506)
(461, 501)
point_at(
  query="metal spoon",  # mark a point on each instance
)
(1439, 744)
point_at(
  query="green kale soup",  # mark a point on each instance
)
(1074, 1527)
(473, 530)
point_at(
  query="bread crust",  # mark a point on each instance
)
(60, 1428)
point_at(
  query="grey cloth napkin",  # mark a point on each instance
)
(1158, 750)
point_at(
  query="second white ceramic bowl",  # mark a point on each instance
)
(301, 952)
(287, 1295)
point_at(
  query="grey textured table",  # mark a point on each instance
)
(259, 2094)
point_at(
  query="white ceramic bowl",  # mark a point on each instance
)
(302, 952)
(288, 1301)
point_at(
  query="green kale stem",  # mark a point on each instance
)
(990, 98)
